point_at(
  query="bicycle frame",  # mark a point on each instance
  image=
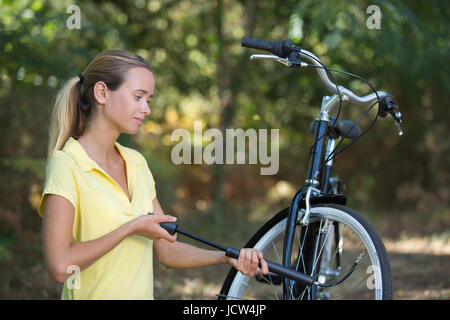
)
(317, 179)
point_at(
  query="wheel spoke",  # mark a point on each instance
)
(248, 286)
(323, 244)
(269, 281)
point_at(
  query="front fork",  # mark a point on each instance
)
(317, 181)
(312, 234)
(312, 183)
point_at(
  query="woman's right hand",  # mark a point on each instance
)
(148, 226)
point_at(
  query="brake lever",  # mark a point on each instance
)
(285, 61)
(397, 115)
(398, 128)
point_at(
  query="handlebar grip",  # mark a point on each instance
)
(277, 268)
(171, 227)
(257, 44)
(279, 48)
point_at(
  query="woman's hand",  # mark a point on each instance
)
(248, 262)
(148, 226)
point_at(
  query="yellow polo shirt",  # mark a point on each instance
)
(101, 206)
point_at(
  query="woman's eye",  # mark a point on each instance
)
(139, 97)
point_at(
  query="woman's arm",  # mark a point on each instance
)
(60, 252)
(178, 255)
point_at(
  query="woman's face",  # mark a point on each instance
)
(129, 105)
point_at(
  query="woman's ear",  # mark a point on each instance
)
(100, 89)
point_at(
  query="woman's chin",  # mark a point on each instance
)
(130, 130)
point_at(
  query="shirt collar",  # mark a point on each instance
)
(76, 151)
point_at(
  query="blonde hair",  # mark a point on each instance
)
(75, 100)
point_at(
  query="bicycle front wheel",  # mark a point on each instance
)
(339, 248)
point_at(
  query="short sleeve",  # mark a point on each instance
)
(152, 183)
(60, 180)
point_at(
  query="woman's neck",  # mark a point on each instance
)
(100, 147)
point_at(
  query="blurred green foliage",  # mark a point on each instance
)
(202, 73)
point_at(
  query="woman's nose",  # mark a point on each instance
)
(147, 109)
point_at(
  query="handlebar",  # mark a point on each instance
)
(291, 55)
(283, 49)
(344, 92)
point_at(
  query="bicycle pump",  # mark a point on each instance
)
(172, 228)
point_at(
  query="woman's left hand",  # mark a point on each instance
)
(248, 262)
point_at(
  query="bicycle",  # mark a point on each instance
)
(329, 251)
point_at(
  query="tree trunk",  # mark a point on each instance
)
(229, 82)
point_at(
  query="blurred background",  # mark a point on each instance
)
(202, 73)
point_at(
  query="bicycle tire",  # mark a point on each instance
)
(235, 283)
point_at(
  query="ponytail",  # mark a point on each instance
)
(64, 116)
(75, 100)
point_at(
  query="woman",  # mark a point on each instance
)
(98, 193)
